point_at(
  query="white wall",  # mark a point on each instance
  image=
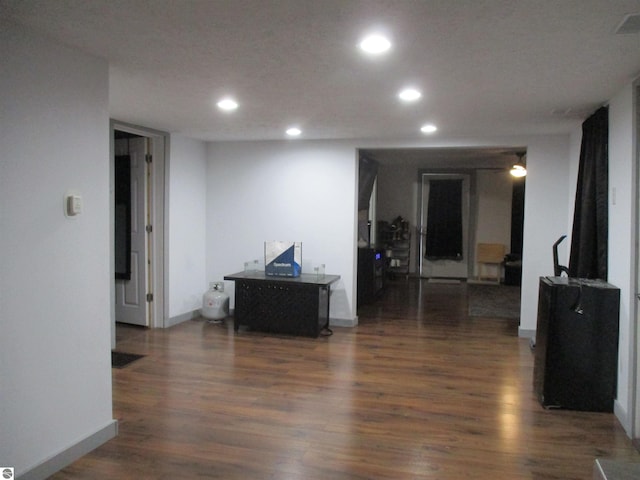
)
(398, 192)
(187, 226)
(545, 218)
(55, 342)
(298, 191)
(622, 224)
(494, 190)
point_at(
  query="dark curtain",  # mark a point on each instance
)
(444, 220)
(122, 227)
(588, 257)
(368, 170)
(517, 215)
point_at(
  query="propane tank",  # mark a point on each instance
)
(215, 303)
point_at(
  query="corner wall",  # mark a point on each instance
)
(187, 227)
(546, 216)
(623, 223)
(55, 343)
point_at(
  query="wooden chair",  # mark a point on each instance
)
(491, 255)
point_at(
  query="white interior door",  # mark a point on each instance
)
(131, 295)
(444, 268)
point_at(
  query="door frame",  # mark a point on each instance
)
(469, 204)
(157, 209)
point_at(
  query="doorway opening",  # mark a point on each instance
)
(138, 233)
(492, 204)
(132, 229)
(435, 258)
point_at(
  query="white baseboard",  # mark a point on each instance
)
(70, 454)
(526, 333)
(623, 417)
(343, 322)
(181, 318)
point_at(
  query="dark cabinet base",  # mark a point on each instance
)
(295, 306)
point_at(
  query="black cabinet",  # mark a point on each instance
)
(371, 267)
(576, 351)
(291, 305)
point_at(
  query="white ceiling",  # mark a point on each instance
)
(485, 67)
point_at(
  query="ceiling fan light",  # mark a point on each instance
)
(518, 170)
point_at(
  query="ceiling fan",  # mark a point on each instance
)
(519, 169)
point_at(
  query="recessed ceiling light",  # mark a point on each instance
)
(409, 95)
(227, 104)
(293, 131)
(375, 44)
(428, 128)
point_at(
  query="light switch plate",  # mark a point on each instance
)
(72, 204)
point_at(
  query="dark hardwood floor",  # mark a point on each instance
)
(419, 390)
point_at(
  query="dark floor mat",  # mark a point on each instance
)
(121, 359)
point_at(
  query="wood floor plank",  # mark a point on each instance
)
(418, 390)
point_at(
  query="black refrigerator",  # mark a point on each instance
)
(576, 350)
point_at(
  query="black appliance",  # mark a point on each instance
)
(576, 350)
(371, 270)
